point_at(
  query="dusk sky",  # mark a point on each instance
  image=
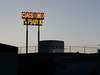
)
(76, 22)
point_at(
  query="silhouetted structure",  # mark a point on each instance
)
(51, 46)
(8, 48)
(47, 63)
(8, 60)
(58, 64)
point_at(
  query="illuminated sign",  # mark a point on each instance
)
(31, 18)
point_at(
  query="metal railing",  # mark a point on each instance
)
(81, 49)
(67, 49)
(31, 49)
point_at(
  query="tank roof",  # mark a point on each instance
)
(51, 41)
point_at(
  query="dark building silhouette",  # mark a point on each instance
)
(8, 60)
(58, 64)
(12, 63)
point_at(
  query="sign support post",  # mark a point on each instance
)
(38, 34)
(26, 38)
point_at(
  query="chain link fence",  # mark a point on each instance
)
(67, 49)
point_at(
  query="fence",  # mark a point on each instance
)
(67, 49)
(31, 49)
(81, 49)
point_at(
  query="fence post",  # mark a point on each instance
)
(35, 49)
(97, 50)
(70, 49)
(84, 49)
(20, 49)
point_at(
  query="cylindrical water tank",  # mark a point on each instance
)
(51, 46)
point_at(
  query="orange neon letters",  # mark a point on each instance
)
(34, 15)
(27, 14)
(38, 15)
(23, 15)
(31, 15)
(31, 18)
(42, 15)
